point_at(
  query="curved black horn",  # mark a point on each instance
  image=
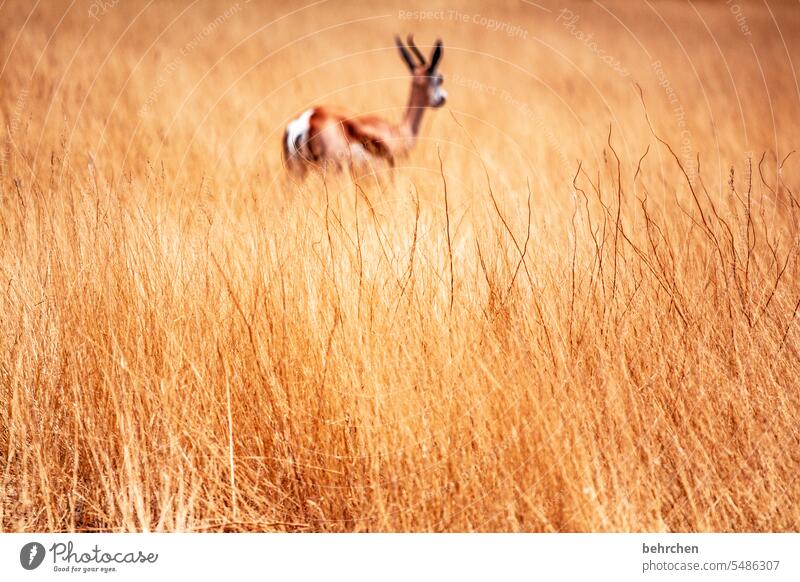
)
(415, 50)
(435, 56)
(404, 53)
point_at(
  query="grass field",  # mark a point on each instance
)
(573, 307)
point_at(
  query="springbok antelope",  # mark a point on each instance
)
(322, 136)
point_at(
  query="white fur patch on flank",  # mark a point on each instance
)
(297, 132)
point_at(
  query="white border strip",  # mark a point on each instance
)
(402, 557)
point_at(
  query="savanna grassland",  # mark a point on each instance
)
(573, 307)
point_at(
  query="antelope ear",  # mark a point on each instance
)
(404, 53)
(435, 56)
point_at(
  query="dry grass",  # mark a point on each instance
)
(587, 334)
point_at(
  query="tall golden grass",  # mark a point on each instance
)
(573, 307)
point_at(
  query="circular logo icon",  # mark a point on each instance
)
(31, 555)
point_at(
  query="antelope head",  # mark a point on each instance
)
(426, 84)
